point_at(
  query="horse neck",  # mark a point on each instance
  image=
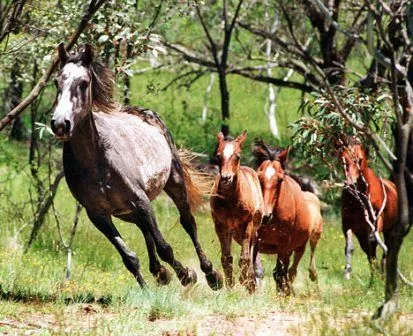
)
(232, 191)
(85, 141)
(369, 177)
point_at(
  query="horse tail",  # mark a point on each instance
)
(197, 183)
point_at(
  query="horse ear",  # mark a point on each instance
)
(282, 157)
(63, 55)
(220, 137)
(241, 138)
(88, 54)
(257, 148)
(367, 151)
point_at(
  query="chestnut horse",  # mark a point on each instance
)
(237, 208)
(362, 180)
(294, 216)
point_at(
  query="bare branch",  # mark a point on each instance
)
(41, 84)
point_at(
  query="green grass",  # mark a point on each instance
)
(33, 286)
(103, 298)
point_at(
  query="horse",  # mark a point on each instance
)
(293, 216)
(117, 159)
(363, 187)
(237, 210)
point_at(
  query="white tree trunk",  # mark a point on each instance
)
(206, 96)
(271, 107)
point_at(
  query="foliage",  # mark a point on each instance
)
(318, 135)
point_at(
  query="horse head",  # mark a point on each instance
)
(271, 173)
(229, 157)
(353, 158)
(74, 90)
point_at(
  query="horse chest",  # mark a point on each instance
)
(96, 186)
(230, 214)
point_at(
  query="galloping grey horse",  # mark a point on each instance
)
(117, 159)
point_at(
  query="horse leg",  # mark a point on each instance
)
(104, 224)
(176, 190)
(258, 268)
(160, 272)
(348, 252)
(312, 271)
(247, 277)
(368, 244)
(298, 254)
(225, 239)
(387, 241)
(280, 273)
(144, 215)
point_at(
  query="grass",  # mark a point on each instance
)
(102, 297)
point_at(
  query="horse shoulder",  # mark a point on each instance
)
(286, 210)
(391, 209)
(251, 188)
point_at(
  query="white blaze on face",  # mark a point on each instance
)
(228, 151)
(269, 172)
(70, 72)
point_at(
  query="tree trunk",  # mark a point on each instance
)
(13, 96)
(126, 78)
(223, 87)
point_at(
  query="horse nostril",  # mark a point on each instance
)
(67, 126)
(53, 125)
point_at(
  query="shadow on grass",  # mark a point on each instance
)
(86, 297)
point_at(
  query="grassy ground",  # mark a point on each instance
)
(102, 297)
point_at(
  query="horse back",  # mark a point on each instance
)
(314, 214)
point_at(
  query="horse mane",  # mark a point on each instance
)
(350, 140)
(103, 87)
(263, 152)
(103, 82)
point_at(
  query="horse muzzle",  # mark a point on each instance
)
(227, 179)
(267, 219)
(61, 130)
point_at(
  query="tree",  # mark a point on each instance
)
(387, 37)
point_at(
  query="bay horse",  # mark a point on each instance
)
(363, 185)
(237, 209)
(293, 216)
(117, 159)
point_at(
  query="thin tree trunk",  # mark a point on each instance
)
(126, 78)
(43, 209)
(206, 96)
(272, 97)
(13, 96)
(223, 87)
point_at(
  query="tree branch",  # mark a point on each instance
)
(41, 84)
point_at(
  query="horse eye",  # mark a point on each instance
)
(83, 85)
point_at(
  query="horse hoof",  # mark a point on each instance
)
(230, 284)
(215, 280)
(251, 287)
(188, 277)
(313, 275)
(163, 277)
(347, 275)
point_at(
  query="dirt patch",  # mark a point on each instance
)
(72, 319)
(274, 323)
